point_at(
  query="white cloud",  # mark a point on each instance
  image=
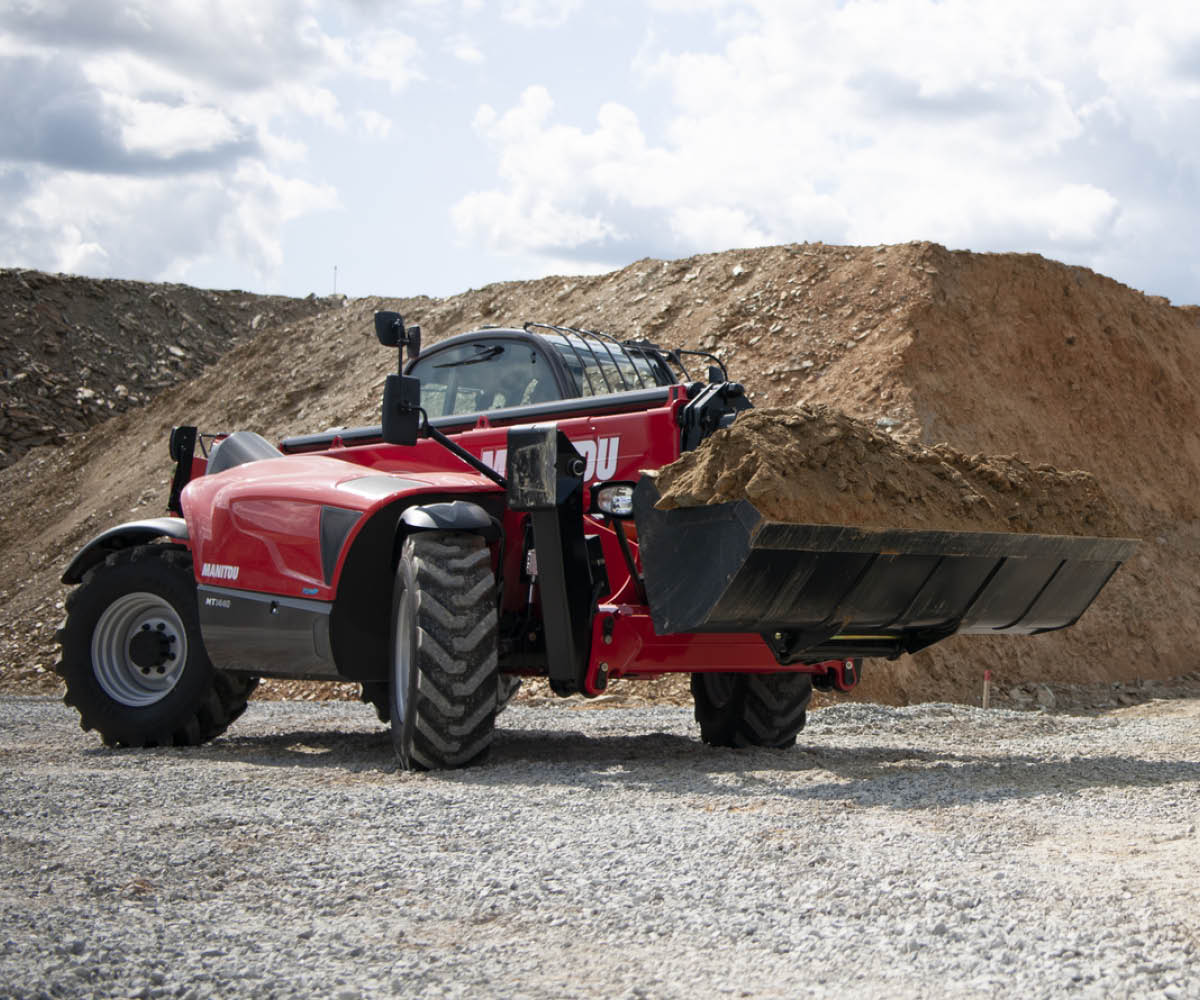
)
(715, 226)
(227, 44)
(77, 256)
(374, 124)
(263, 201)
(165, 131)
(389, 56)
(169, 133)
(464, 49)
(543, 163)
(538, 13)
(97, 224)
(1077, 215)
(142, 138)
(1016, 125)
(170, 68)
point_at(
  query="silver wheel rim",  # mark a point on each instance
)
(118, 673)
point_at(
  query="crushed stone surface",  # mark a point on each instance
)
(816, 465)
(900, 853)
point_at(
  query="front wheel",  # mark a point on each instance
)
(444, 681)
(507, 687)
(751, 710)
(132, 657)
(378, 695)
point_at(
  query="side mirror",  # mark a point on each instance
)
(389, 328)
(401, 409)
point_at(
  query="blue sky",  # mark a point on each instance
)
(429, 146)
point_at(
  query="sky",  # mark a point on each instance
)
(430, 146)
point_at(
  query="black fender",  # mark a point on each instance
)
(122, 537)
(454, 515)
(359, 622)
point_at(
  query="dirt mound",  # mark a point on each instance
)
(74, 351)
(815, 465)
(991, 353)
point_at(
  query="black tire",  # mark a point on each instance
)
(507, 686)
(132, 657)
(378, 694)
(444, 680)
(751, 710)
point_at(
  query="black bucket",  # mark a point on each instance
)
(831, 590)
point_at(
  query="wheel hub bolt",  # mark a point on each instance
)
(151, 647)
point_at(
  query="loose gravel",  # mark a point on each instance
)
(933, 851)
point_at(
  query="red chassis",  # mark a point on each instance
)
(257, 529)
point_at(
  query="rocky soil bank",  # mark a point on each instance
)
(74, 351)
(995, 354)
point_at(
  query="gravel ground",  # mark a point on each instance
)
(933, 851)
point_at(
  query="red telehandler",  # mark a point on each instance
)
(498, 524)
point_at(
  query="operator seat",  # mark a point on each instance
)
(238, 449)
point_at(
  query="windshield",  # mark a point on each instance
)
(482, 375)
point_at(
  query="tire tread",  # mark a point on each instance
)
(220, 702)
(764, 710)
(456, 691)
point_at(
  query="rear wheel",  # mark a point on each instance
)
(132, 657)
(444, 681)
(751, 710)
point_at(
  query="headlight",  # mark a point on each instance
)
(613, 499)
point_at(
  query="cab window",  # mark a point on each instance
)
(482, 375)
(598, 367)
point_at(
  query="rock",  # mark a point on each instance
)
(1045, 697)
